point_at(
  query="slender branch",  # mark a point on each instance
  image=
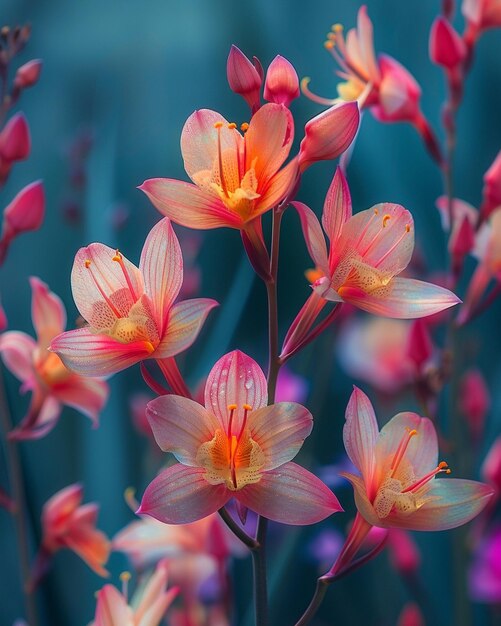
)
(251, 543)
(18, 494)
(320, 590)
(259, 574)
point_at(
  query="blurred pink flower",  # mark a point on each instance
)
(367, 251)
(291, 387)
(404, 552)
(485, 571)
(43, 373)
(28, 74)
(398, 466)
(474, 400)
(480, 15)
(447, 48)
(130, 310)
(66, 523)
(15, 144)
(491, 468)
(235, 447)
(411, 616)
(492, 188)
(148, 607)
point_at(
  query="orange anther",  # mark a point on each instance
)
(329, 44)
(244, 127)
(87, 263)
(247, 407)
(442, 465)
(232, 125)
(218, 124)
(337, 28)
(118, 257)
(407, 228)
(385, 220)
(376, 212)
(232, 407)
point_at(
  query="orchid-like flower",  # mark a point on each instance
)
(397, 485)
(234, 447)
(237, 177)
(367, 252)
(130, 311)
(43, 373)
(67, 523)
(148, 606)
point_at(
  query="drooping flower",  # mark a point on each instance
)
(367, 252)
(130, 311)
(147, 608)
(43, 373)
(234, 447)
(397, 486)
(67, 523)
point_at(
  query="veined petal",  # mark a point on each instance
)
(455, 502)
(291, 495)
(280, 430)
(278, 187)
(199, 141)
(112, 609)
(47, 312)
(42, 416)
(181, 494)
(97, 355)
(360, 434)
(364, 28)
(268, 141)
(313, 236)
(403, 298)
(161, 265)
(100, 287)
(235, 379)
(186, 204)
(422, 449)
(362, 502)
(337, 208)
(87, 395)
(17, 350)
(181, 426)
(184, 323)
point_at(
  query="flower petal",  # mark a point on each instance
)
(112, 609)
(235, 379)
(337, 208)
(100, 288)
(183, 325)
(161, 265)
(90, 544)
(181, 426)
(41, 418)
(97, 355)
(313, 236)
(17, 351)
(290, 495)
(280, 430)
(87, 395)
(360, 434)
(403, 298)
(268, 141)
(47, 312)
(180, 494)
(188, 205)
(278, 188)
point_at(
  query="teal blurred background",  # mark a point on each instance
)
(131, 72)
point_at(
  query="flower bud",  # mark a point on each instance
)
(411, 616)
(492, 187)
(282, 82)
(419, 344)
(28, 74)
(15, 142)
(474, 400)
(3, 319)
(243, 78)
(329, 134)
(26, 211)
(446, 46)
(491, 469)
(404, 553)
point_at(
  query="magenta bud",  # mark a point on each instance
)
(282, 83)
(404, 553)
(462, 239)
(26, 211)
(329, 134)
(491, 468)
(447, 48)
(474, 400)
(15, 141)
(28, 74)
(244, 78)
(419, 343)
(411, 616)
(492, 187)
(3, 319)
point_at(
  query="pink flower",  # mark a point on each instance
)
(404, 553)
(411, 615)
(474, 400)
(130, 310)
(480, 15)
(15, 144)
(485, 572)
(236, 177)
(43, 373)
(491, 468)
(367, 252)
(398, 465)
(148, 607)
(235, 447)
(66, 523)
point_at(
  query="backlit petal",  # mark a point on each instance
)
(91, 545)
(280, 430)
(47, 312)
(183, 326)
(181, 494)
(337, 207)
(235, 379)
(181, 426)
(278, 187)
(87, 395)
(313, 236)
(17, 350)
(290, 495)
(112, 609)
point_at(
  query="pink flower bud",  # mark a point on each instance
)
(329, 134)
(15, 142)
(446, 46)
(3, 319)
(463, 238)
(282, 82)
(28, 74)
(419, 343)
(404, 553)
(491, 469)
(474, 399)
(492, 187)
(243, 78)
(411, 616)
(26, 211)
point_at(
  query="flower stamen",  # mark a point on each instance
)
(218, 126)
(119, 259)
(402, 448)
(442, 467)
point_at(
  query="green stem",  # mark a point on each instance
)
(18, 495)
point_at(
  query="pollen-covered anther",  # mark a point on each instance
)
(407, 228)
(232, 125)
(87, 263)
(442, 467)
(244, 127)
(337, 28)
(329, 44)
(118, 258)
(386, 219)
(218, 125)
(231, 407)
